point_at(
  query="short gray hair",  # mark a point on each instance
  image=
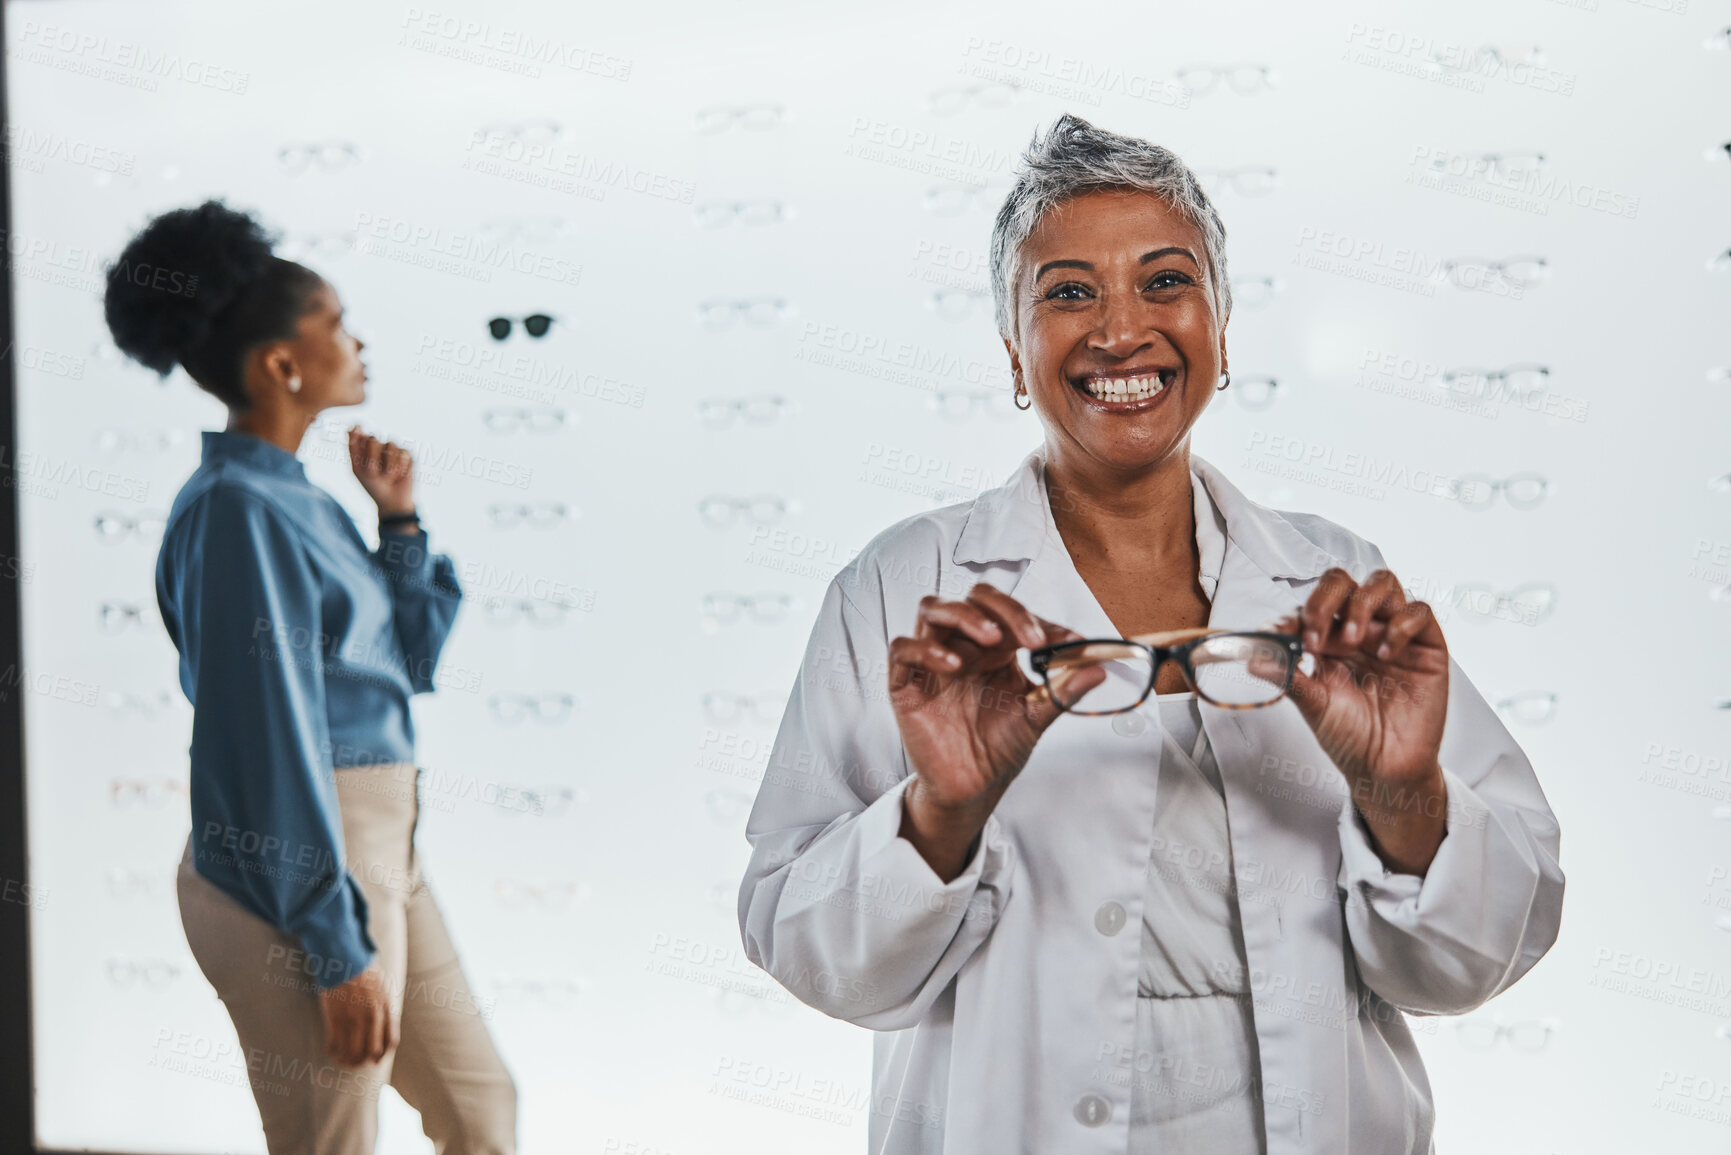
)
(1073, 157)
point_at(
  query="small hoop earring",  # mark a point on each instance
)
(294, 384)
(1226, 380)
(1017, 400)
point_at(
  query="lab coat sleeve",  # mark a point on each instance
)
(835, 904)
(1489, 905)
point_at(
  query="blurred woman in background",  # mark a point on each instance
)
(301, 892)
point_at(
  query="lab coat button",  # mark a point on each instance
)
(1128, 725)
(1092, 1110)
(1109, 919)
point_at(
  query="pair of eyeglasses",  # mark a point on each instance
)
(535, 324)
(1476, 272)
(956, 304)
(117, 616)
(1530, 1035)
(1477, 492)
(721, 412)
(1255, 393)
(149, 705)
(532, 420)
(541, 514)
(992, 94)
(1529, 707)
(748, 1002)
(727, 806)
(114, 527)
(527, 131)
(1255, 292)
(330, 154)
(557, 991)
(124, 883)
(512, 708)
(720, 117)
(310, 246)
(124, 972)
(1521, 381)
(541, 230)
(129, 792)
(765, 708)
(1510, 165)
(119, 441)
(1243, 78)
(1527, 604)
(956, 197)
(1233, 669)
(719, 314)
(506, 611)
(1487, 59)
(1251, 180)
(725, 608)
(721, 512)
(543, 801)
(517, 893)
(961, 404)
(715, 214)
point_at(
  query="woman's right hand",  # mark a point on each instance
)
(359, 1025)
(969, 717)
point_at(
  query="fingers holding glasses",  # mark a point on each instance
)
(1379, 598)
(950, 622)
(1375, 619)
(1316, 616)
(1414, 623)
(1016, 620)
(911, 656)
(988, 623)
(1328, 617)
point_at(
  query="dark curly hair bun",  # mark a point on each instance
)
(172, 281)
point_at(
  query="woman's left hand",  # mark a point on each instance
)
(1377, 700)
(385, 470)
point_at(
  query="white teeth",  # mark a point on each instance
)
(1125, 388)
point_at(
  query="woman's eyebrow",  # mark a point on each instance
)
(1169, 251)
(1067, 264)
(1085, 266)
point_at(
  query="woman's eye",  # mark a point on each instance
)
(1067, 291)
(1167, 279)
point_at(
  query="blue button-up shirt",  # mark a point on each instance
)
(299, 650)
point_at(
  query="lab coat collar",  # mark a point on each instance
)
(1014, 523)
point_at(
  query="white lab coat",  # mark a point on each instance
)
(1005, 1000)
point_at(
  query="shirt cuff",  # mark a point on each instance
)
(1456, 868)
(978, 889)
(409, 563)
(337, 943)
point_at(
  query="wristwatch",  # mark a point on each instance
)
(388, 522)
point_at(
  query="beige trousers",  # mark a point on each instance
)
(444, 1064)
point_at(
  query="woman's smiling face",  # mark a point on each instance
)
(1117, 341)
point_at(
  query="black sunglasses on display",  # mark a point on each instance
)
(535, 324)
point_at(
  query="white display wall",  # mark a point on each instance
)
(788, 205)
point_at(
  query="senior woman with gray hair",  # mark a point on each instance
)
(1170, 880)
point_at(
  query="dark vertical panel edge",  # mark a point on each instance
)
(17, 1084)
